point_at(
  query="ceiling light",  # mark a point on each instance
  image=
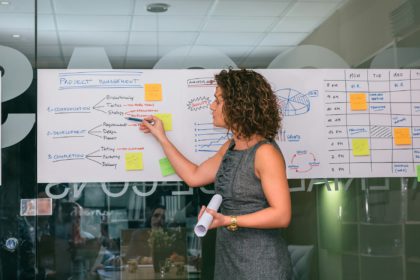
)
(16, 35)
(157, 7)
(4, 2)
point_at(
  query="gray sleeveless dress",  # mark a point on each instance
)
(247, 253)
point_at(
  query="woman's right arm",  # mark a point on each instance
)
(194, 175)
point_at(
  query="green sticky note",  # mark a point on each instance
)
(418, 172)
(166, 167)
(133, 161)
(360, 147)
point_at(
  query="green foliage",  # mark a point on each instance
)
(160, 238)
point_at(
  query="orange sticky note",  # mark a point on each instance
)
(402, 136)
(153, 92)
(358, 102)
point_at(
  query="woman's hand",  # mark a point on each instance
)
(219, 220)
(153, 125)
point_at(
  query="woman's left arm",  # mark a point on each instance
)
(270, 169)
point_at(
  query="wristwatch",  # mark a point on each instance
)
(233, 226)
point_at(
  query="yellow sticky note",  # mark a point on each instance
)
(358, 102)
(166, 119)
(153, 92)
(402, 136)
(360, 147)
(165, 167)
(134, 161)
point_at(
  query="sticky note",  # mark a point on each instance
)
(153, 92)
(134, 161)
(360, 147)
(358, 102)
(166, 119)
(418, 172)
(166, 167)
(402, 136)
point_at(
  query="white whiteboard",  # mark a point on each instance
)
(84, 137)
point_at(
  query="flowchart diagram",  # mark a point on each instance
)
(86, 129)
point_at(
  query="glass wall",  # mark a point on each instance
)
(347, 228)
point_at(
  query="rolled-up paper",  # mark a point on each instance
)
(204, 222)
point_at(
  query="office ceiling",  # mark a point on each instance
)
(249, 32)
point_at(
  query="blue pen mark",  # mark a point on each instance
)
(398, 119)
(208, 138)
(401, 168)
(65, 157)
(69, 110)
(377, 108)
(353, 131)
(99, 79)
(66, 133)
(376, 97)
(293, 102)
(416, 132)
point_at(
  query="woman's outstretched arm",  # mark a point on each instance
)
(194, 175)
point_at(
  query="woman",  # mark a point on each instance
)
(157, 217)
(139, 246)
(249, 172)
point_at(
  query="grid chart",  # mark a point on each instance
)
(373, 122)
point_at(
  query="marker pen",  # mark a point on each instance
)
(137, 119)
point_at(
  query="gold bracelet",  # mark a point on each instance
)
(233, 226)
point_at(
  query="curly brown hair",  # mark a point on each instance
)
(250, 105)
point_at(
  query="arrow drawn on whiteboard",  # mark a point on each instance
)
(95, 107)
(89, 156)
(112, 102)
(92, 131)
(106, 158)
(209, 138)
(303, 161)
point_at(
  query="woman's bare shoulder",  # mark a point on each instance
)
(268, 153)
